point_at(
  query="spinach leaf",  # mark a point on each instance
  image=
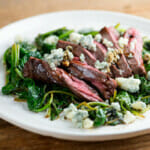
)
(146, 99)
(8, 88)
(113, 116)
(147, 67)
(144, 86)
(34, 94)
(100, 118)
(124, 99)
(26, 55)
(146, 46)
(146, 50)
(144, 93)
(15, 57)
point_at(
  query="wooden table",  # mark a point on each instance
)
(14, 138)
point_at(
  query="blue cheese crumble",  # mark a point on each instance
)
(82, 57)
(101, 65)
(55, 58)
(70, 111)
(116, 105)
(129, 84)
(70, 55)
(88, 42)
(85, 41)
(107, 43)
(122, 42)
(75, 37)
(138, 105)
(88, 123)
(129, 117)
(98, 37)
(51, 40)
(132, 44)
(110, 49)
(121, 71)
(78, 117)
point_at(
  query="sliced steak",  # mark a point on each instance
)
(109, 34)
(39, 70)
(100, 80)
(115, 33)
(134, 47)
(100, 52)
(122, 69)
(77, 50)
(115, 72)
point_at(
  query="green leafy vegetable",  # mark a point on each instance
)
(146, 46)
(100, 118)
(146, 50)
(62, 34)
(89, 31)
(113, 116)
(124, 100)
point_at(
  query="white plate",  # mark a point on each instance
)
(18, 114)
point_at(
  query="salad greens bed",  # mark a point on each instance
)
(54, 99)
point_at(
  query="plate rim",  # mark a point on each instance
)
(77, 10)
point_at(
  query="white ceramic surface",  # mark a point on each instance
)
(18, 114)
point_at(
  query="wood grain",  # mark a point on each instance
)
(14, 138)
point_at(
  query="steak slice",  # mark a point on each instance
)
(100, 80)
(134, 47)
(77, 50)
(122, 69)
(100, 52)
(110, 34)
(38, 69)
(115, 33)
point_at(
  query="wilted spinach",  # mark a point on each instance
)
(100, 118)
(113, 116)
(124, 99)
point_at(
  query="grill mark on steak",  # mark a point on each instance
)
(38, 69)
(100, 80)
